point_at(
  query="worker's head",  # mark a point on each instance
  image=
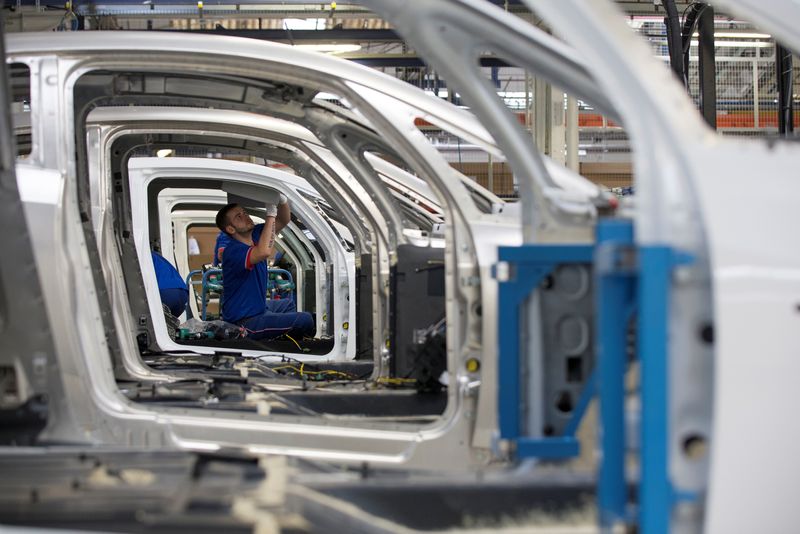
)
(233, 219)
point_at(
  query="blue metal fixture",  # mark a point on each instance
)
(631, 282)
(208, 285)
(520, 270)
(272, 284)
(615, 280)
(656, 494)
(206, 290)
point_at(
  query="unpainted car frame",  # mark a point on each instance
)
(108, 416)
(681, 168)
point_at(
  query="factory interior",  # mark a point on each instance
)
(399, 266)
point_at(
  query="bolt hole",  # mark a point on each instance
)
(564, 402)
(574, 369)
(695, 446)
(548, 430)
(707, 333)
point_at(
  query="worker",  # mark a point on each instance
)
(245, 273)
(219, 247)
(171, 287)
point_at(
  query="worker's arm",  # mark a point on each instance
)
(284, 215)
(266, 244)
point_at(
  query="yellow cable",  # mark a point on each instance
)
(346, 375)
(395, 381)
(295, 342)
(301, 371)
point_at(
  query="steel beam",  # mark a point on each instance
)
(306, 36)
(785, 79)
(707, 66)
(409, 60)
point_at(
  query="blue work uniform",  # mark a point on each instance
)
(171, 286)
(222, 241)
(244, 296)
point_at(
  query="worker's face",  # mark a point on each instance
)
(239, 222)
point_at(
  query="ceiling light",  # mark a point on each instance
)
(738, 44)
(725, 44)
(738, 35)
(742, 35)
(330, 48)
(304, 24)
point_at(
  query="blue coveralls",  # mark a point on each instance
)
(171, 286)
(222, 241)
(244, 297)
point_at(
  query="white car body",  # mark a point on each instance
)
(143, 171)
(105, 416)
(694, 189)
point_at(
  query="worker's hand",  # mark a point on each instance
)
(272, 210)
(284, 200)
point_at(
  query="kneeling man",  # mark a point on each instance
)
(244, 275)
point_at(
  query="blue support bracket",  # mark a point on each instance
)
(519, 272)
(656, 494)
(632, 282)
(588, 392)
(553, 448)
(630, 279)
(615, 284)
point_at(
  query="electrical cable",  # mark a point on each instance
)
(673, 30)
(303, 372)
(294, 341)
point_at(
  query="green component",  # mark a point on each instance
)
(185, 333)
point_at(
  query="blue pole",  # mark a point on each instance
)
(655, 493)
(508, 323)
(614, 295)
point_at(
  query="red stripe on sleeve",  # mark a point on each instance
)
(247, 264)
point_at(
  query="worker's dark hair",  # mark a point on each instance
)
(222, 216)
